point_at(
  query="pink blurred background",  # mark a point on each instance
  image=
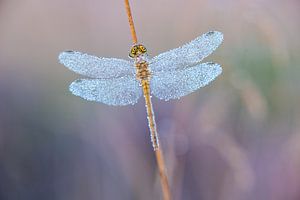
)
(236, 139)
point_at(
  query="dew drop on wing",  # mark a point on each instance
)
(178, 83)
(188, 54)
(119, 91)
(96, 67)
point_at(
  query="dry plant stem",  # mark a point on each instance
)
(162, 174)
(151, 120)
(130, 20)
(155, 141)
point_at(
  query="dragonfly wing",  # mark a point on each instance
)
(177, 83)
(95, 67)
(117, 91)
(188, 54)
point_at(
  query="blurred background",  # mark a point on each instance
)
(236, 139)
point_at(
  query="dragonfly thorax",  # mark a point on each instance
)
(138, 53)
(142, 69)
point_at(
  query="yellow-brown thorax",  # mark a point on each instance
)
(142, 70)
(138, 52)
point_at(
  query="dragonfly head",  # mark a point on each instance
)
(137, 50)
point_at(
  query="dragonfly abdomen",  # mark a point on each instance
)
(142, 70)
(150, 114)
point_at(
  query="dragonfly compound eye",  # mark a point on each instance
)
(133, 51)
(137, 50)
(142, 48)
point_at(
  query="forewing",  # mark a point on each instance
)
(117, 91)
(177, 83)
(188, 54)
(95, 67)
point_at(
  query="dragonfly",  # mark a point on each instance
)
(169, 75)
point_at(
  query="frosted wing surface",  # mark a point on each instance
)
(189, 54)
(94, 66)
(117, 91)
(177, 83)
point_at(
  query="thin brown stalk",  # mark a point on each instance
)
(162, 173)
(151, 120)
(130, 20)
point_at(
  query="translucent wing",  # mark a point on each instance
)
(117, 91)
(177, 83)
(95, 67)
(189, 54)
